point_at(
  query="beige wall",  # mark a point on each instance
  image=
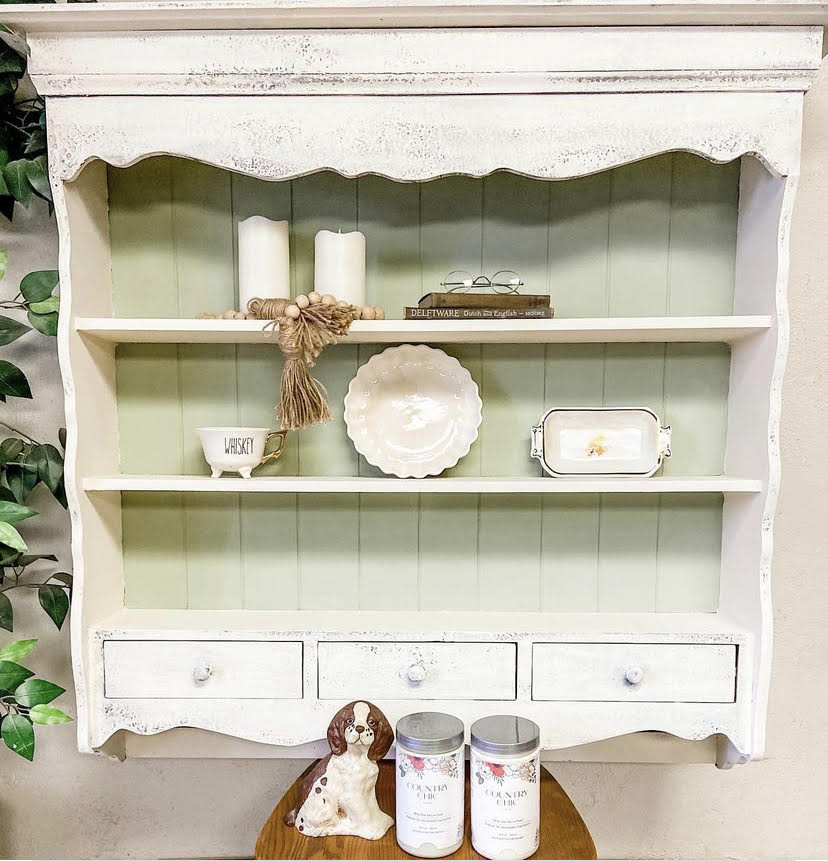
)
(68, 805)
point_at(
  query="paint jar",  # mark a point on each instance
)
(430, 784)
(505, 787)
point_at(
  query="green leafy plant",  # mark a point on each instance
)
(25, 463)
(25, 700)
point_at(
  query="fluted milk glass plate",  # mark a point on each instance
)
(412, 411)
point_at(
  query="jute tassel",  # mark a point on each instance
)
(302, 334)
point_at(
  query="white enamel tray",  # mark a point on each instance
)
(607, 441)
(412, 411)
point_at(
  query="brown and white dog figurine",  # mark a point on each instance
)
(339, 795)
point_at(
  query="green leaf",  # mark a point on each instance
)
(18, 733)
(12, 675)
(37, 692)
(15, 175)
(17, 651)
(62, 438)
(10, 449)
(37, 172)
(37, 286)
(12, 538)
(10, 60)
(55, 602)
(13, 382)
(49, 466)
(12, 512)
(6, 615)
(4, 257)
(28, 559)
(47, 306)
(7, 205)
(46, 324)
(36, 142)
(63, 577)
(48, 716)
(21, 479)
(11, 330)
(6, 495)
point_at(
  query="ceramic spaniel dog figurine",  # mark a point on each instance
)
(339, 795)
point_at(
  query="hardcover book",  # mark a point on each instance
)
(484, 300)
(418, 313)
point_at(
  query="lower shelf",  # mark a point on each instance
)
(355, 484)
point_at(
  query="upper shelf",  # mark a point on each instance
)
(569, 330)
(290, 14)
(359, 484)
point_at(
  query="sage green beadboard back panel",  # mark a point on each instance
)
(657, 237)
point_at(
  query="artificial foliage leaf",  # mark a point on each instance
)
(10, 60)
(11, 330)
(18, 734)
(47, 306)
(12, 675)
(29, 558)
(36, 142)
(37, 172)
(12, 538)
(21, 479)
(49, 462)
(63, 577)
(13, 382)
(17, 651)
(13, 512)
(7, 495)
(48, 716)
(62, 438)
(37, 286)
(37, 692)
(17, 182)
(46, 324)
(55, 602)
(4, 257)
(6, 616)
(10, 449)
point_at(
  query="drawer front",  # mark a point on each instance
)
(202, 669)
(635, 672)
(417, 671)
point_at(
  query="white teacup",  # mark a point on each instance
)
(238, 449)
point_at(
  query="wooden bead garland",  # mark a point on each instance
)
(304, 326)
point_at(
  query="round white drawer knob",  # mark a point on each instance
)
(416, 673)
(633, 675)
(202, 673)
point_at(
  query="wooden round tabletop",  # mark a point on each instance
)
(563, 833)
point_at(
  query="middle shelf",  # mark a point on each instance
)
(572, 330)
(358, 484)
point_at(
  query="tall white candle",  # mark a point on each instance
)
(339, 265)
(264, 259)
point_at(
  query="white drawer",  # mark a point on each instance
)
(637, 672)
(417, 671)
(202, 669)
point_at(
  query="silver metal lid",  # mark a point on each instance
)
(430, 732)
(505, 734)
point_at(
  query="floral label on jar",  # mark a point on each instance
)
(505, 806)
(430, 799)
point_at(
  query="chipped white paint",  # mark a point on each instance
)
(417, 671)
(428, 61)
(630, 672)
(567, 103)
(202, 670)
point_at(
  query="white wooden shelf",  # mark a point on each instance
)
(566, 330)
(356, 484)
(226, 624)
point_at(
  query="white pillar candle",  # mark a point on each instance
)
(339, 265)
(264, 260)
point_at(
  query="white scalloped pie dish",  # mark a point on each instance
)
(413, 411)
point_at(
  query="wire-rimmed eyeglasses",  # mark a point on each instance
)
(460, 281)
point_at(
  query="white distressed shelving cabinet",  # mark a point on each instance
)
(642, 171)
